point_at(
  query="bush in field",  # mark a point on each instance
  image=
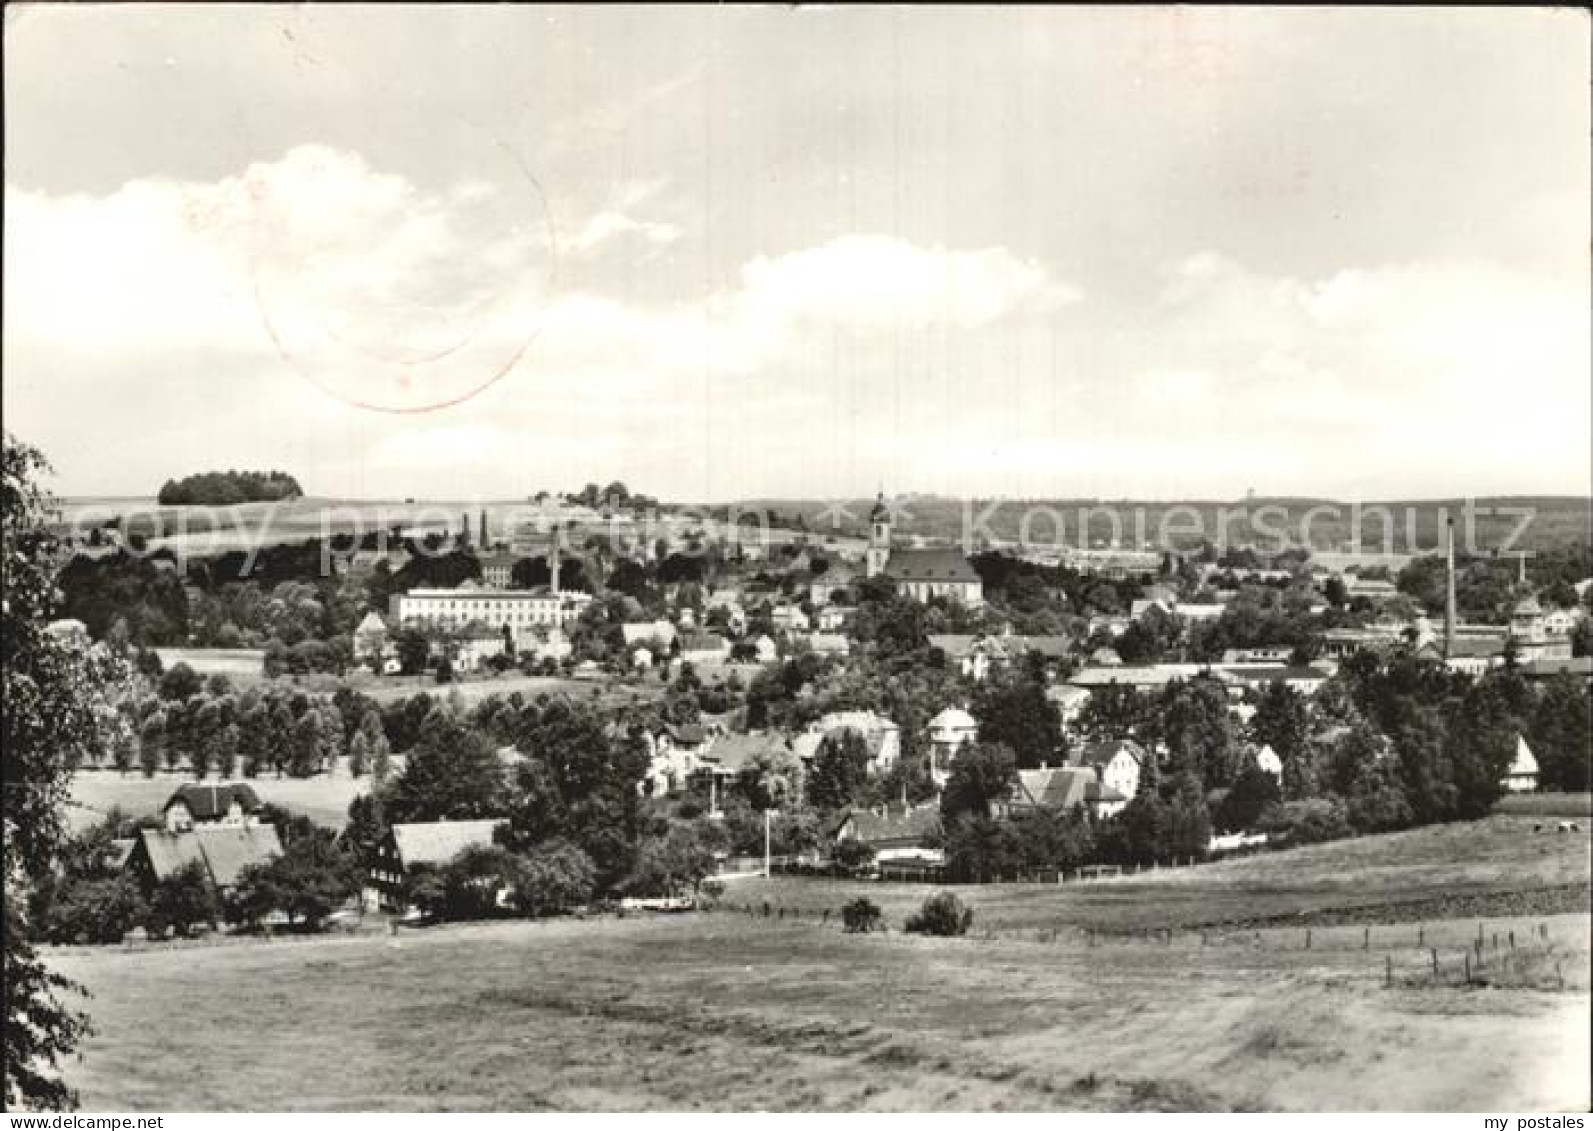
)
(860, 916)
(423, 889)
(942, 914)
(474, 880)
(311, 879)
(711, 891)
(1307, 822)
(94, 911)
(182, 901)
(554, 877)
(852, 855)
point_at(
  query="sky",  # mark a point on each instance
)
(451, 252)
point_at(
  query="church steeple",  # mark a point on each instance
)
(879, 537)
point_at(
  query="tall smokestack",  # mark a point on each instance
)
(1449, 589)
(484, 542)
(553, 561)
(464, 529)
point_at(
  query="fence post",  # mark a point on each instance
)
(1559, 974)
(1366, 939)
(1512, 940)
(1421, 936)
(1308, 938)
(1388, 971)
(1435, 961)
(1467, 957)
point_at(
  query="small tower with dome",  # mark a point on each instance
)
(879, 537)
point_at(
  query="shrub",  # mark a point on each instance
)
(94, 911)
(942, 914)
(1307, 822)
(555, 877)
(182, 901)
(476, 882)
(860, 916)
(852, 855)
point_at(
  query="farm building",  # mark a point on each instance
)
(1064, 789)
(198, 804)
(223, 850)
(430, 843)
(895, 833)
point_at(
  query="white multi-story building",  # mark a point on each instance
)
(523, 612)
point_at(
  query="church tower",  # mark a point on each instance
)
(879, 537)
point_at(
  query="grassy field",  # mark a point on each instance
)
(1548, 804)
(323, 799)
(240, 665)
(606, 690)
(1497, 866)
(733, 1011)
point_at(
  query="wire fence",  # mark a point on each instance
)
(1398, 954)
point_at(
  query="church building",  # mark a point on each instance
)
(920, 574)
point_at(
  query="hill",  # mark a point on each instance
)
(1397, 526)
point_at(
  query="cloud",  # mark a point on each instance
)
(196, 308)
(322, 266)
(876, 281)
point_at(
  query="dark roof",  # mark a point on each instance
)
(689, 734)
(871, 826)
(211, 802)
(930, 565)
(1269, 673)
(224, 850)
(1474, 647)
(1054, 647)
(734, 752)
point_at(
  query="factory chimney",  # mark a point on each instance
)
(1449, 589)
(553, 560)
(483, 540)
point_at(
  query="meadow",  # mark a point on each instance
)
(1052, 1008)
(324, 799)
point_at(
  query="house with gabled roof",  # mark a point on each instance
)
(201, 803)
(1116, 764)
(1063, 789)
(223, 851)
(895, 832)
(434, 844)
